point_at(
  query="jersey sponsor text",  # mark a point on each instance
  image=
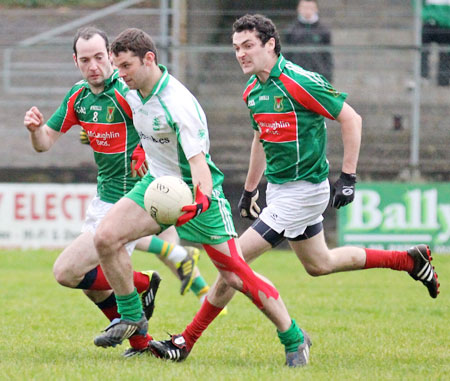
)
(106, 138)
(277, 128)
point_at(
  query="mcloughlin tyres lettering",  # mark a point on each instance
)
(396, 216)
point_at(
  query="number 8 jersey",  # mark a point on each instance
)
(107, 119)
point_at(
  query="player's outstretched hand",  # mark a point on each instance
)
(248, 208)
(33, 119)
(343, 190)
(84, 138)
(139, 165)
(201, 204)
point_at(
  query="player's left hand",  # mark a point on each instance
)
(343, 190)
(201, 204)
(139, 165)
(248, 207)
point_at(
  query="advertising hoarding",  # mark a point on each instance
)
(42, 215)
(396, 216)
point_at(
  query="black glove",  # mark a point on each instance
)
(343, 190)
(248, 208)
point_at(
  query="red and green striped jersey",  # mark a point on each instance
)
(289, 111)
(107, 119)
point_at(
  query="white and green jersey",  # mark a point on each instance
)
(289, 111)
(172, 127)
(107, 119)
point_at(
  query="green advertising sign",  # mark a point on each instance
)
(396, 216)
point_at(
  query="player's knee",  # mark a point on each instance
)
(223, 288)
(318, 269)
(59, 275)
(219, 290)
(62, 275)
(104, 241)
(230, 280)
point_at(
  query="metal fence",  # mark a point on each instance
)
(382, 79)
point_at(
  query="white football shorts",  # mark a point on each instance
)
(293, 206)
(96, 211)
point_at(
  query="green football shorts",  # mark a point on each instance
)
(211, 227)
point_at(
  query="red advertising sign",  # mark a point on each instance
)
(42, 215)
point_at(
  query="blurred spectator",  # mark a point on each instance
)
(308, 30)
(436, 28)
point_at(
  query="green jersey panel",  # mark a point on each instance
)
(211, 227)
(107, 119)
(289, 111)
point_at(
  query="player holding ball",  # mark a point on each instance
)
(174, 134)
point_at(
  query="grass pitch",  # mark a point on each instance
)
(365, 325)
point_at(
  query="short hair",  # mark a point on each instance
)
(264, 27)
(86, 33)
(134, 40)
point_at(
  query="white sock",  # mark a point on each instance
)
(202, 298)
(177, 254)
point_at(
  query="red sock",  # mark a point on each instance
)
(100, 282)
(201, 321)
(395, 260)
(140, 341)
(109, 307)
(141, 281)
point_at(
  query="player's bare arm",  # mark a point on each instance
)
(257, 164)
(202, 181)
(201, 175)
(351, 126)
(248, 206)
(42, 136)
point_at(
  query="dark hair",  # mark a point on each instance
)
(136, 41)
(264, 27)
(86, 33)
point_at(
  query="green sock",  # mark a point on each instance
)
(173, 252)
(129, 306)
(291, 338)
(160, 247)
(198, 285)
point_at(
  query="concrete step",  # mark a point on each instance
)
(27, 23)
(372, 36)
